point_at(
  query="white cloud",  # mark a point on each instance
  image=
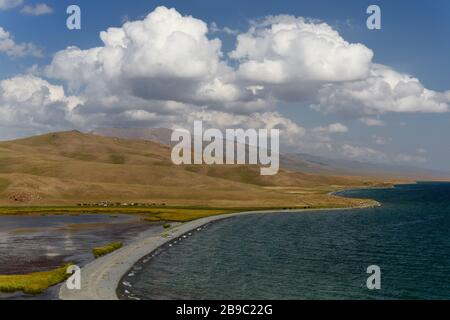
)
(371, 155)
(384, 90)
(406, 158)
(168, 70)
(290, 50)
(166, 56)
(362, 153)
(38, 10)
(296, 59)
(215, 28)
(169, 57)
(372, 122)
(290, 132)
(13, 49)
(8, 4)
(332, 128)
(380, 140)
(33, 103)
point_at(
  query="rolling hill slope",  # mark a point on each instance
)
(73, 167)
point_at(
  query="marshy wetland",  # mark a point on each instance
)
(30, 244)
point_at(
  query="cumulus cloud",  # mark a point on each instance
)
(31, 103)
(296, 59)
(168, 70)
(166, 56)
(8, 4)
(169, 57)
(332, 128)
(384, 90)
(292, 57)
(37, 10)
(372, 122)
(13, 49)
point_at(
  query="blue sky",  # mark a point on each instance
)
(414, 40)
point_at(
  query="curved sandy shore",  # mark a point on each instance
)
(100, 278)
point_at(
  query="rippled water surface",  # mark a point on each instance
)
(317, 255)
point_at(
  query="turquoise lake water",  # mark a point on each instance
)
(317, 255)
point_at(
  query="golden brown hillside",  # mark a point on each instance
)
(73, 167)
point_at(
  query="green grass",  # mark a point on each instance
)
(101, 251)
(153, 214)
(166, 226)
(33, 283)
(170, 213)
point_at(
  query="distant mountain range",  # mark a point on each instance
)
(301, 161)
(316, 164)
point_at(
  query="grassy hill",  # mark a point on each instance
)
(66, 168)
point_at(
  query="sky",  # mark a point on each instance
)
(310, 68)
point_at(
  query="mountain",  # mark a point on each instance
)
(158, 135)
(302, 162)
(323, 165)
(73, 167)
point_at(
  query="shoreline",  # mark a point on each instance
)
(101, 278)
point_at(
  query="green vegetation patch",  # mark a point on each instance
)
(169, 214)
(117, 159)
(101, 251)
(33, 283)
(151, 214)
(183, 215)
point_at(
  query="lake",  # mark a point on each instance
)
(315, 255)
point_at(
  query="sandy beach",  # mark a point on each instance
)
(100, 278)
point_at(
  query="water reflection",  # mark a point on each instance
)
(32, 244)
